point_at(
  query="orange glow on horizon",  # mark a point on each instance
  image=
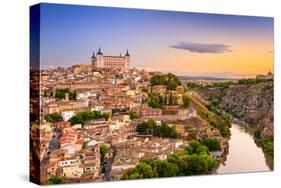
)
(246, 58)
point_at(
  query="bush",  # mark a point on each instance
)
(55, 180)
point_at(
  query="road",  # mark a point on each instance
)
(108, 165)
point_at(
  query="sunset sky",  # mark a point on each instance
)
(178, 42)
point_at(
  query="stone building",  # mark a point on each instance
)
(110, 62)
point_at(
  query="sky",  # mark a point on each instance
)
(168, 41)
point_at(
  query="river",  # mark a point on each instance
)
(244, 155)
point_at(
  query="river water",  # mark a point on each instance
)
(244, 155)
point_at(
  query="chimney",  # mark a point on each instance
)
(66, 96)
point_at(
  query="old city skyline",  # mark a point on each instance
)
(199, 44)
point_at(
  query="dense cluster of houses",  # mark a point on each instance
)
(73, 151)
(129, 153)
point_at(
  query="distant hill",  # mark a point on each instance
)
(202, 78)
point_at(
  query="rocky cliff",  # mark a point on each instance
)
(251, 103)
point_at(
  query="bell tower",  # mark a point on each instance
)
(127, 60)
(99, 62)
(93, 58)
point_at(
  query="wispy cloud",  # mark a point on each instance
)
(202, 47)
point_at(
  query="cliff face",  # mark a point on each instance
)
(252, 103)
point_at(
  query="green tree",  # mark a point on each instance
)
(180, 159)
(145, 128)
(181, 163)
(166, 169)
(225, 131)
(150, 127)
(173, 78)
(223, 128)
(54, 117)
(172, 85)
(153, 103)
(197, 164)
(166, 98)
(142, 170)
(105, 115)
(145, 170)
(60, 94)
(202, 150)
(97, 114)
(132, 174)
(55, 180)
(186, 101)
(192, 147)
(171, 99)
(87, 115)
(103, 150)
(257, 134)
(213, 144)
(161, 100)
(151, 122)
(133, 115)
(72, 95)
(267, 145)
(192, 85)
(170, 80)
(211, 163)
(158, 79)
(167, 131)
(77, 119)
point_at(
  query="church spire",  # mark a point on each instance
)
(93, 56)
(127, 53)
(99, 52)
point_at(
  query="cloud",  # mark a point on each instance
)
(202, 47)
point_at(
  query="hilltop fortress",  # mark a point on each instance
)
(108, 61)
